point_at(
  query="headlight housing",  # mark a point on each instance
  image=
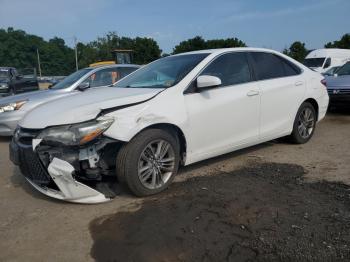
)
(12, 106)
(77, 134)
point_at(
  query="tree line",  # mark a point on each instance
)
(19, 49)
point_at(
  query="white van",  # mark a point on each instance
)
(321, 60)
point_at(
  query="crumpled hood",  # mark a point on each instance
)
(338, 82)
(84, 106)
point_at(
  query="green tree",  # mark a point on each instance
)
(297, 50)
(198, 43)
(193, 44)
(344, 43)
(145, 49)
(19, 49)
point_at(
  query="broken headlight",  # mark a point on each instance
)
(76, 134)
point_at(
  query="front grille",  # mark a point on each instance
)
(29, 162)
(32, 168)
(339, 91)
(25, 135)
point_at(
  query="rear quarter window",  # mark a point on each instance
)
(270, 66)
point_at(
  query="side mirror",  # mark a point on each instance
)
(83, 86)
(207, 81)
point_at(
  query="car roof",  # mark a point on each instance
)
(114, 66)
(232, 49)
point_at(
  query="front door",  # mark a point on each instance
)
(224, 118)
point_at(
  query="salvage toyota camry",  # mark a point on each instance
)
(175, 111)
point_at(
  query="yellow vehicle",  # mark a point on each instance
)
(121, 56)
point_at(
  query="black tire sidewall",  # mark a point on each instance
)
(135, 148)
(296, 137)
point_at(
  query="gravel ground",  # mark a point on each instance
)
(269, 202)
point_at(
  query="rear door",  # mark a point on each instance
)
(282, 90)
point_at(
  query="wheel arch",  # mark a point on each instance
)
(314, 103)
(174, 130)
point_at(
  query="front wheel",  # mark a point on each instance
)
(149, 162)
(304, 124)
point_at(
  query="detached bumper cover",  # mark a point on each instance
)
(59, 173)
(70, 189)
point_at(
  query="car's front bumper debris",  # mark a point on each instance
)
(70, 189)
(57, 174)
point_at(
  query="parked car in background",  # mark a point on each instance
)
(331, 71)
(339, 87)
(321, 60)
(178, 110)
(11, 82)
(13, 108)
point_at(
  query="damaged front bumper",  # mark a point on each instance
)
(58, 178)
(69, 189)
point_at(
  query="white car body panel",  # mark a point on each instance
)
(80, 107)
(215, 114)
(280, 100)
(213, 121)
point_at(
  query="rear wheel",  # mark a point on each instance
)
(304, 124)
(149, 162)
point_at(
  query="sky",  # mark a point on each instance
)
(271, 24)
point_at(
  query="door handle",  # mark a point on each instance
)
(253, 93)
(299, 83)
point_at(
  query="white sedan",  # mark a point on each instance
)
(174, 111)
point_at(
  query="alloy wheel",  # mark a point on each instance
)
(156, 164)
(306, 123)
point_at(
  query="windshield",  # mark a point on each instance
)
(314, 62)
(71, 79)
(163, 73)
(4, 73)
(344, 70)
(331, 71)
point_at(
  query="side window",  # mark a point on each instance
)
(289, 68)
(103, 77)
(124, 71)
(328, 63)
(267, 66)
(231, 68)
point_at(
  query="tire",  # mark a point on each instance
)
(136, 156)
(304, 124)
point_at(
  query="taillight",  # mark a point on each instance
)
(324, 82)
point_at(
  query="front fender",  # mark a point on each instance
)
(132, 120)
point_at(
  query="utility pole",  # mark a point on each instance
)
(37, 53)
(76, 52)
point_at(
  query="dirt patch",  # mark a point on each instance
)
(265, 212)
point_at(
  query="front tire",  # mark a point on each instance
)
(304, 124)
(148, 163)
